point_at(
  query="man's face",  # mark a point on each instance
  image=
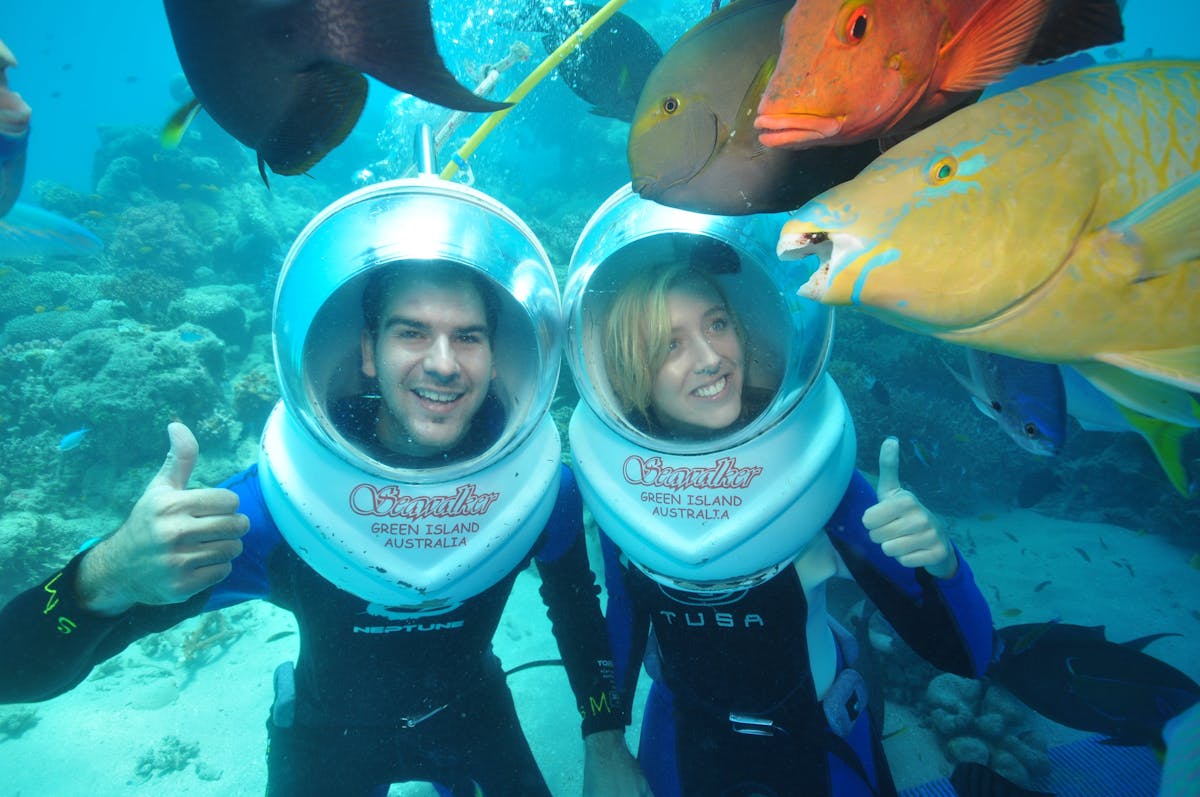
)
(433, 358)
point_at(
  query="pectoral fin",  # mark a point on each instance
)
(990, 45)
(1164, 231)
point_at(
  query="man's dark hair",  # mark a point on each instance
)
(381, 281)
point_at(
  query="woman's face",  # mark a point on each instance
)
(699, 387)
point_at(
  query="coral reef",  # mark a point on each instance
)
(211, 637)
(171, 754)
(15, 721)
(126, 384)
(982, 723)
(255, 393)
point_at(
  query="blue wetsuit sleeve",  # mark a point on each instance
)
(628, 629)
(51, 643)
(946, 621)
(571, 595)
(249, 578)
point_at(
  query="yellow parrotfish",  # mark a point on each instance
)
(1058, 222)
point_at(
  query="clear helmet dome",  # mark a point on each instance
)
(387, 236)
(785, 340)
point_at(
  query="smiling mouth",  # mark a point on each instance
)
(436, 396)
(708, 391)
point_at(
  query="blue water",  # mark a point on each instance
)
(87, 65)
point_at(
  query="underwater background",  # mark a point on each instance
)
(172, 321)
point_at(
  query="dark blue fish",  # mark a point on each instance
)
(285, 77)
(14, 135)
(1075, 676)
(609, 68)
(1026, 398)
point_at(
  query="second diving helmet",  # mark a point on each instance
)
(706, 510)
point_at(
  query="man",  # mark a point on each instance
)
(376, 697)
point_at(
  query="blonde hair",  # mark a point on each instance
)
(637, 333)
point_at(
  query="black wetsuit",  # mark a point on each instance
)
(379, 698)
(734, 708)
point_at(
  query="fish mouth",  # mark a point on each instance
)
(796, 130)
(800, 239)
(647, 187)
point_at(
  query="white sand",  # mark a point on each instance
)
(89, 742)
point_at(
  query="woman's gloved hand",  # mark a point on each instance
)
(902, 526)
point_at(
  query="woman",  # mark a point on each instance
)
(753, 687)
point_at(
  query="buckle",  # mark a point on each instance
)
(751, 725)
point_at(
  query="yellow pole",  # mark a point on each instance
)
(554, 59)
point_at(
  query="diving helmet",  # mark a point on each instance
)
(416, 534)
(725, 508)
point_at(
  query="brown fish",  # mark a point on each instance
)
(285, 77)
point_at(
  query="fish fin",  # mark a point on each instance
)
(1074, 25)
(1164, 231)
(1165, 441)
(177, 125)
(390, 41)
(990, 44)
(327, 101)
(743, 117)
(1147, 396)
(1179, 367)
(972, 385)
(1141, 642)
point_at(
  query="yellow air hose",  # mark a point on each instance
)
(552, 60)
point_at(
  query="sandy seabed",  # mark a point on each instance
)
(145, 709)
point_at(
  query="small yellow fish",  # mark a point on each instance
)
(1059, 222)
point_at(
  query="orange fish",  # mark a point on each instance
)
(853, 70)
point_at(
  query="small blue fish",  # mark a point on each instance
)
(925, 454)
(73, 439)
(190, 336)
(1026, 398)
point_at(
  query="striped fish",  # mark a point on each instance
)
(1058, 222)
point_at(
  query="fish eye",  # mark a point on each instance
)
(996, 406)
(1031, 430)
(670, 105)
(854, 26)
(942, 170)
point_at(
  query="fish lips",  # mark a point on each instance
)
(798, 241)
(796, 130)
